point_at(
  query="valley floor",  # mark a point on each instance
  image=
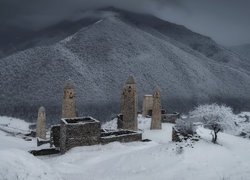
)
(159, 159)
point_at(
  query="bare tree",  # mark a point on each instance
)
(213, 122)
(218, 118)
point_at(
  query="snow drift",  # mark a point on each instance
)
(17, 164)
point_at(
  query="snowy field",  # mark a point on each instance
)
(159, 159)
(13, 125)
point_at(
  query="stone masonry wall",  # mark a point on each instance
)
(55, 135)
(79, 134)
(121, 136)
(147, 105)
(69, 101)
(41, 123)
(129, 105)
(156, 111)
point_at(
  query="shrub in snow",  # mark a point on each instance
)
(247, 128)
(215, 117)
(245, 131)
(185, 127)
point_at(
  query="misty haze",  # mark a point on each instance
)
(112, 89)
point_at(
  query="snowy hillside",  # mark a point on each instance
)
(189, 68)
(159, 159)
(14, 125)
(28, 38)
(243, 50)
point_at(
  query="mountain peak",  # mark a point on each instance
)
(187, 66)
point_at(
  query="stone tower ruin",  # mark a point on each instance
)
(69, 101)
(129, 105)
(41, 123)
(147, 105)
(156, 110)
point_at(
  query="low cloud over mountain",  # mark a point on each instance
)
(226, 21)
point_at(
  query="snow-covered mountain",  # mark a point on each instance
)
(243, 50)
(14, 38)
(189, 68)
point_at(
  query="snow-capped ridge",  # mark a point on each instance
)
(100, 57)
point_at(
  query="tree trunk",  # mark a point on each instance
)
(215, 137)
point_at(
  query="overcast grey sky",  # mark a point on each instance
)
(226, 21)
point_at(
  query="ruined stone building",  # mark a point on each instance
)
(129, 106)
(79, 132)
(156, 111)
(69, 101)
(170, 118)
(147, 109)
(147, 105)
(86, 131)
(41, 123)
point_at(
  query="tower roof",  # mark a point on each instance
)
(41, 109)
(130, 80)
(157, 91)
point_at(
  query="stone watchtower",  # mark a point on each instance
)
(69, 101)
(41, 123)
(129, 105)
(156, 111)
(147, 105)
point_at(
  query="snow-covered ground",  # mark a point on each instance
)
(14, 125)
(158, 159)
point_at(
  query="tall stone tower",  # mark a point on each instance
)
(41, 123)
(147, 104)
(129, 105)
(156, 111)
(69, 101)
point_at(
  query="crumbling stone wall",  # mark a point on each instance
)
(79, 132)
(119, 121)
(129, 105)
(55, 135)
(85, 131)
(44, 152)
(170, 118)
(156, 111)
(147, 105)
(41, 123)
(69, 101)
(121, 136)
